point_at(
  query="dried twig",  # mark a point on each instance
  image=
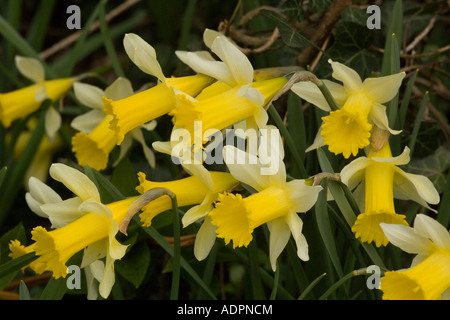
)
(421, 35)
(330, 18)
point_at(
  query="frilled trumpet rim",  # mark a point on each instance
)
(237, 217)
(367, 226)
(93, 149)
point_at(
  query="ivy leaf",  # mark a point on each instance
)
(319, 5)
(292, 9)
(134, 265)
(351, 45)
(288, 34)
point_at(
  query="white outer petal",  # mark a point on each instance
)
(205, 239)
(318, 141)
(202, 62)
(296, 225)
(108, 278)
(148, 153)
(42, 192)
(30, 68)
(63, 212)
(353, 173)
(399, 160)
(310, 92)
(379, 117)
(143, 55)
(349, 77)
(415, 187)
(88, 121)
(271, 154)
(75, 181)
(383, 89)
(245, 167)
(236, 61)
(407, 239)
(252, 94)
(209, 36)
(89, 95)
(121, 88)
(279, 237)
(53, 122)
(302, 195)
(162, 146)
(432, 229)
(199, 211)
(93, 253)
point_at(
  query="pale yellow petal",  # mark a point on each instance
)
(236, 61)
(349, 77)
(75, 181)
(143, 55)
(30, 68)
(121, 88)
(89, 95)
(433, 230)
(406, 239)
(383, 89)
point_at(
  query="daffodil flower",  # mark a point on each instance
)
(234, 98)
(234, 69)
(189, 191)
(80, 223)
(22, 102)
(348, 129)
(380, 181)
(223, 110)
(428, 277)
(276, 203)
(93, 144)
(147, 105)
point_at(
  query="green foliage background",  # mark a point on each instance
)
(30, 28)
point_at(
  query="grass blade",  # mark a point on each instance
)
(16, 264)
(176, 250)
(107, 40)
(325, 230)
(417, 122)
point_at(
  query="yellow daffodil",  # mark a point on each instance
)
(235, 98)
(234, 69)
(276, 203)
(93, 144)
(189, 191)
(220, 111)
(79, 223)
(428, 277)
(22, 102)
(348, 129)
(381, 180)
(142, 107)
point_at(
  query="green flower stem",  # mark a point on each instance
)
(334, 287)
(327, 94)
(176, 249)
